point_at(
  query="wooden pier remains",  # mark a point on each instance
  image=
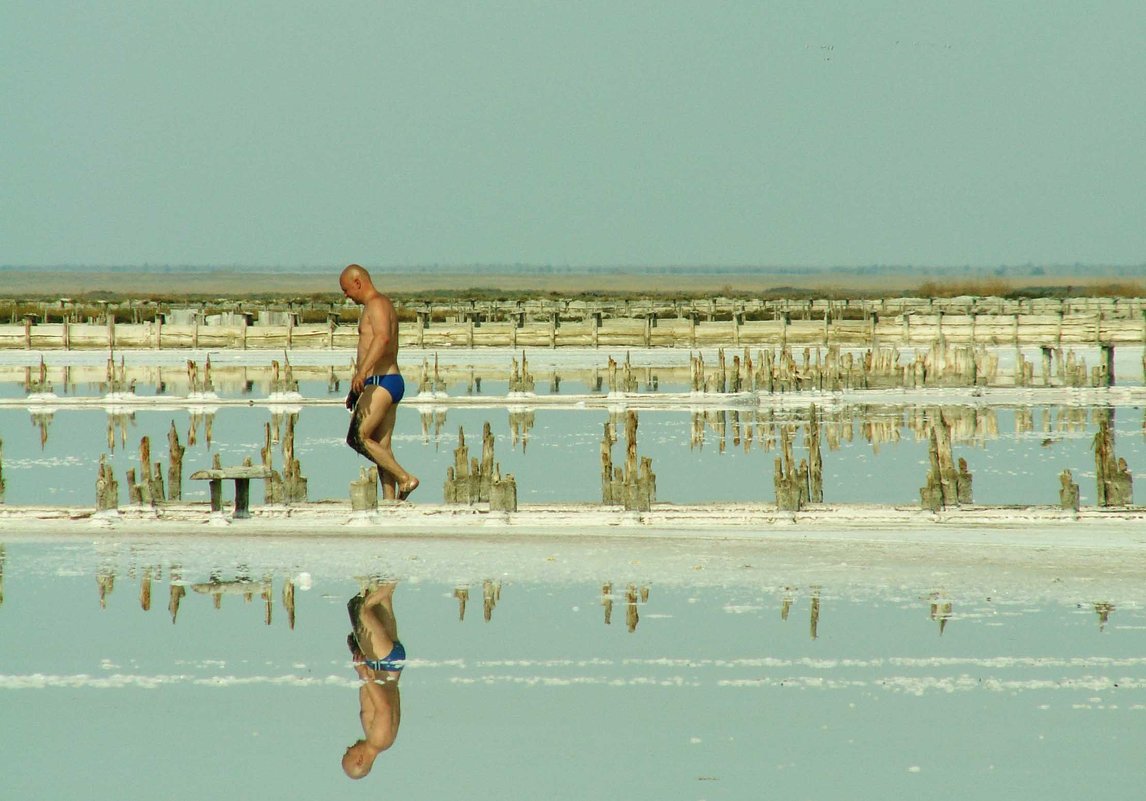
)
(551, 323)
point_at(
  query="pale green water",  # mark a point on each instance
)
(1033, 688)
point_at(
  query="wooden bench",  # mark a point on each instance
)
(241, 476)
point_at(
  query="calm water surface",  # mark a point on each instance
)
(560, 669)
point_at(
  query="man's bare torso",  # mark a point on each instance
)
(378, 317)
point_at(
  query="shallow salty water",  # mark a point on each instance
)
(725, 670)
(1015, 444)
(873, 453)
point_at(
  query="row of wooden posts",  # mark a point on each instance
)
(772, 370)
(147, 487)
(518, 310)
(594, 333)
(470, 480)
(942, 365)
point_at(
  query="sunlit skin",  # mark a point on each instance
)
(377, 355)
(381, 707)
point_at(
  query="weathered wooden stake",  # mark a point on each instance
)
(786, 478)
(107, 488)
(490, 595)
(815, 459)
(364, 490)
(288, 602)
(175, 469)
(1068, 493)
(503, 492)
(216, 485)
(463, 595)
(176, 596)
(1115, 484)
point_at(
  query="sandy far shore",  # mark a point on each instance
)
(240, 283)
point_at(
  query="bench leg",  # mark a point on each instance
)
(216, 495)
(242, 498)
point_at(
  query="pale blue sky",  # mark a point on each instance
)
(579, 133)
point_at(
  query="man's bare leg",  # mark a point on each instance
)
(378, 619)
(381, 411)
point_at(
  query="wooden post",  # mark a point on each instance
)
(815, 460)
(145, 484)
(243, 495)
(785, 477)
(107, 488)
(503, 492)
(1068, 493)
(134, 496)
(607, 496)
(486, 474)
(216, 486)
(364, 490)
(1115, 484)
(1107, 359)
(175, 469)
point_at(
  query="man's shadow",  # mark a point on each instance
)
(378, 660)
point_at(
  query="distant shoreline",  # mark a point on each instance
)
(22, 284)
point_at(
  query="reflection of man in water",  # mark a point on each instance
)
(378, 660)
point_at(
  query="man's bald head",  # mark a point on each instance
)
(355, 283)
(353, 271)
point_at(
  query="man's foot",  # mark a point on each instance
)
(405, 490)
(383, 592)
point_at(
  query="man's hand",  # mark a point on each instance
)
(358, 383)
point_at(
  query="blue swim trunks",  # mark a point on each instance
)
(392, 383)
(394, 661)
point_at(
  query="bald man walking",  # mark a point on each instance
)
(377, 387)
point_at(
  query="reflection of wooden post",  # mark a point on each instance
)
(491, 594)
(1103, 610)
(267, 604)
(177, 593)
(631, 616)
(145, 591)
(607, 601)
(815, 617)
(106, 583)
(288, 602)
(463, 595)
(786, 604)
